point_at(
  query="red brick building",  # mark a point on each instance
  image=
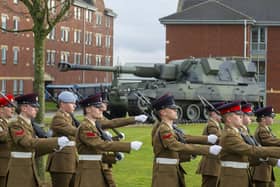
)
(247, 28)
(85, 36)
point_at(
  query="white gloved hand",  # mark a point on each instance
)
(136, 145)
(278, 163)
(215, 149)
(109, 134)
(123, 136)
(120, 156)
(212, 138)
(62, 141)
(141, 118)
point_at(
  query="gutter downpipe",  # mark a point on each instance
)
(245, 39)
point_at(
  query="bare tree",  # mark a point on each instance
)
(45, 16)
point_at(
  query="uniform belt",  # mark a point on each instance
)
(21, 154)
(231, 164)
(167, 161)
(90, 157)
(71, 143)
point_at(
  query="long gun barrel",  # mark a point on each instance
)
(166, 72)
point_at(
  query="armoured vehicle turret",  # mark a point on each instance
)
(216, 79)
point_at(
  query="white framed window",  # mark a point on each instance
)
(88, 58)
(98, 19)
(51, 6)
(53, 57)
(88, 39)
(77, 58)
(16, 23)
(15, 87)
(77, 36)
(65, 34)
(51, 35)
(20, 87)
(98, 39)
(77, 13)
(98, 59)
(107, 60)
(88, 15)
(3, 86)
(108, 21)
(4, 19)
(64, 56)
(15, 54)
(48, 57)
(4, 50)
(108, 41)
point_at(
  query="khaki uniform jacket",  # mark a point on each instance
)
(4, 147)
(89, 142)
(115, 123)
(264, 172)
(236, 150)
(210, 164)
(166, 145)
(22, 171)
(66, 160)
(109, 157)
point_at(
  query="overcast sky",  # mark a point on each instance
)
(138, 34)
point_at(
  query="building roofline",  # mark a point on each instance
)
(110, 12)
(175, 21)
(84, 5)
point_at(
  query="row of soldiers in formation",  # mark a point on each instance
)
(229, 163)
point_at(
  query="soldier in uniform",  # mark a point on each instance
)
(236, 152)
(91, 146)
(209, 166)
(7, 110)
(167, 170)
(62, 165)
(263, 174)
(110, 158)
(25, 146)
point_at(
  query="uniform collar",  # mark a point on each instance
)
(4, 119)
(91, 121)
(28, 121)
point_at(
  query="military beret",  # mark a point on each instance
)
(234, 107)
(214, 106)
(7, 100)
(30, 99)
(165, 101)
(265, 111)
(67, 97)
(247, 109)
(93, 100)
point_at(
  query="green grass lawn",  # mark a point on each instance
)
(136, 168)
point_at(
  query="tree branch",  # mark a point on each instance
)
(16, 31)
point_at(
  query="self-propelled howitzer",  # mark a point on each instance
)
(216, 79)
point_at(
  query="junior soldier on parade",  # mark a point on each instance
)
(263, 174)
(7, 110)
(236, 152)
(110, 158)
(62, 165)
(25, 146)
(91, 145)
(166, 168)
(209, 166)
